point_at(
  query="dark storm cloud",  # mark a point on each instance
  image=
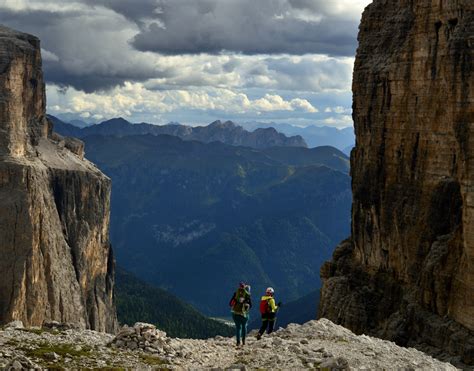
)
(99, 44)
(131, 9)
(57, 74)
(84, 48)
(249, 27)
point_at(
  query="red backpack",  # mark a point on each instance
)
(265, 306)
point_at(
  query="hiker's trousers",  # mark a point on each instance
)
(240, 327)
(268, 323)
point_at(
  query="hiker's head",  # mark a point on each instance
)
(269, 291)
(242, 285)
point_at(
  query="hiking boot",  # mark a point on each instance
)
(258, 336)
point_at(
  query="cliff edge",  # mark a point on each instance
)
(56, 261)
(407, 272)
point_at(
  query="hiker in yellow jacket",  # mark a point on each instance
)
(268, 310)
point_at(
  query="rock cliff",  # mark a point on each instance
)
(56, 261)
(407, 272)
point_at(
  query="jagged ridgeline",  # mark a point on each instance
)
(407, 273)
(56, 262)
(225, 132)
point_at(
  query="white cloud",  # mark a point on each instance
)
(338, 121)
(310, 73)
(134, 98)
(338, 109)
(303, 105)
(48, 56)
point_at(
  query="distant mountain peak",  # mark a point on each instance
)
(229, 123)
(226, 124)
(268, 130)
(226, 132)
(116, 121)
(313, 135)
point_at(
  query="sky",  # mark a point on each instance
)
(195, 61)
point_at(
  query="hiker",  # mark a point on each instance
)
(241, 304)
(268, 310)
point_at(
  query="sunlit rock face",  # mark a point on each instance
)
(407, 272)
(56, 261)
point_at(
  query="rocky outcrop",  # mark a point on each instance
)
(56, 261)
(407, 272)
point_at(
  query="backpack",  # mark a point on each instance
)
(265, 306)
(238, 300)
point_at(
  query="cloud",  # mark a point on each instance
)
(338, 121)
(337, 109)
(49, 56)
(309, 73)
(138, 11)
(252, 27)
(182, 59)
(87, 44)
(87, 48)
(134, 98)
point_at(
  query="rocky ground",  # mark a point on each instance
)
(316, 344)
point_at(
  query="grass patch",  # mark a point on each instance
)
(62, 350)
(12, 342)
(40, 331)
(40, 353)
(152, 360)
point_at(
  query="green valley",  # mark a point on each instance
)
(197, 218)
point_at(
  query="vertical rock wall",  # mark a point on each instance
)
(56, 261)
(407, 272)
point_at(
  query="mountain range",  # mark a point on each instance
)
(225, 132)
(251, 134)
(197, 218)
(315, 136)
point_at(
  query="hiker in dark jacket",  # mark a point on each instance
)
(268, 310)
(241, 304)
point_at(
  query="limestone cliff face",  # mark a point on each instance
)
(56, 261)
(407, 272)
